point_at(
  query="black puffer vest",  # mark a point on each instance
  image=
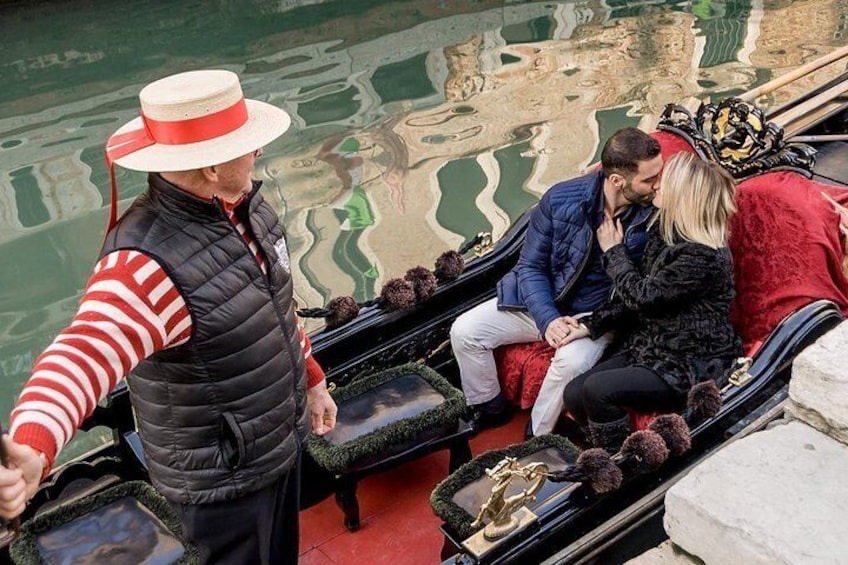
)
(224, 414)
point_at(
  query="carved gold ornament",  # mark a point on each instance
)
(500, 509)
(737, 135)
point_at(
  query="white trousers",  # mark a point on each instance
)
(477, 332)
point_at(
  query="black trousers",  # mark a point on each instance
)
(602, 393)
(260, 528)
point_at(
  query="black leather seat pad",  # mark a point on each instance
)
(399, 399)
(123, 531)
(473, 495)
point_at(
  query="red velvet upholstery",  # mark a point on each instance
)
(521, 369)
(671, 143)
(787, 252)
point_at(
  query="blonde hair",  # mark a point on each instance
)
(697, 201)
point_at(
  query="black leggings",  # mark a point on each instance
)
(602, 393)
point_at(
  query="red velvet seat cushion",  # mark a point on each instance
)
(521, 370)
(787, 251)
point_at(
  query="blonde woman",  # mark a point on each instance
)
(673, 309)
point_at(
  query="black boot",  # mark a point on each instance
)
(573, 432)
(528, 430)
(609, 435)
(490, 414)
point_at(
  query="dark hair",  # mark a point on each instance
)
(625, 148)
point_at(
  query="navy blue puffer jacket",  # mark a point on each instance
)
(557, 246)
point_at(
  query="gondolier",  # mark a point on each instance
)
(191, 301)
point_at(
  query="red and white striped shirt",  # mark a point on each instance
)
(130, 310)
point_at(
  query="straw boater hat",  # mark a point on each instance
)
(193, 120)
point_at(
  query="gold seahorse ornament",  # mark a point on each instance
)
(500, 508)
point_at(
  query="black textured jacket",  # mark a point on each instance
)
(674, 310)
(223, 414)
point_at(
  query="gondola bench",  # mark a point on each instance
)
(386, 419)
(787, 251)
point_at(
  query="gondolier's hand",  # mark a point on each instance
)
(610, 233)
(322, 408)
(18, 481)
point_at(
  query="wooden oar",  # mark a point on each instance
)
(801, 71)
(15, 523)
(787, 118)
(819, 138)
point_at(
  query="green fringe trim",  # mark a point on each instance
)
(338, 458)
(442, 497)
(25, 551)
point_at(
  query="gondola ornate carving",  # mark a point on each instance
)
(485, 246)
(499, 508)
(737, 135)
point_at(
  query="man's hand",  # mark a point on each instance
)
(18, 481)
(610, 233)
(322, 408)
(559, 330)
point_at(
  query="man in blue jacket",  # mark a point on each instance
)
(559, 274)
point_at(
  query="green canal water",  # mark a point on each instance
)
(415, 124)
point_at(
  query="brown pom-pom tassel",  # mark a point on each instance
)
(674, 431)
(423, 282)
(449, 266)
(344, 310)
(705, 400)
(647, 449)
(604, 474)
(398, 294)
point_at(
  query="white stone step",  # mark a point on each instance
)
(776, 497)
(664, 554)
(819, 386)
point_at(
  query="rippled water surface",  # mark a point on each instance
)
(416, 124)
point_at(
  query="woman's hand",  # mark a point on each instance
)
(564, 330)
(576, 333)
(610, 233)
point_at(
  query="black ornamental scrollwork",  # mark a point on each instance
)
(738, 136)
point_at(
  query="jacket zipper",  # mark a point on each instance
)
(577, 273)
(270, 289)
(585, 260)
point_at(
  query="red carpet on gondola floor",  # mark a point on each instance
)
(398, 525)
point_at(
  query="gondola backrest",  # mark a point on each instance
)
(785, 238)
(787, 251)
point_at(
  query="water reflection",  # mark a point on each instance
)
(416, 124)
